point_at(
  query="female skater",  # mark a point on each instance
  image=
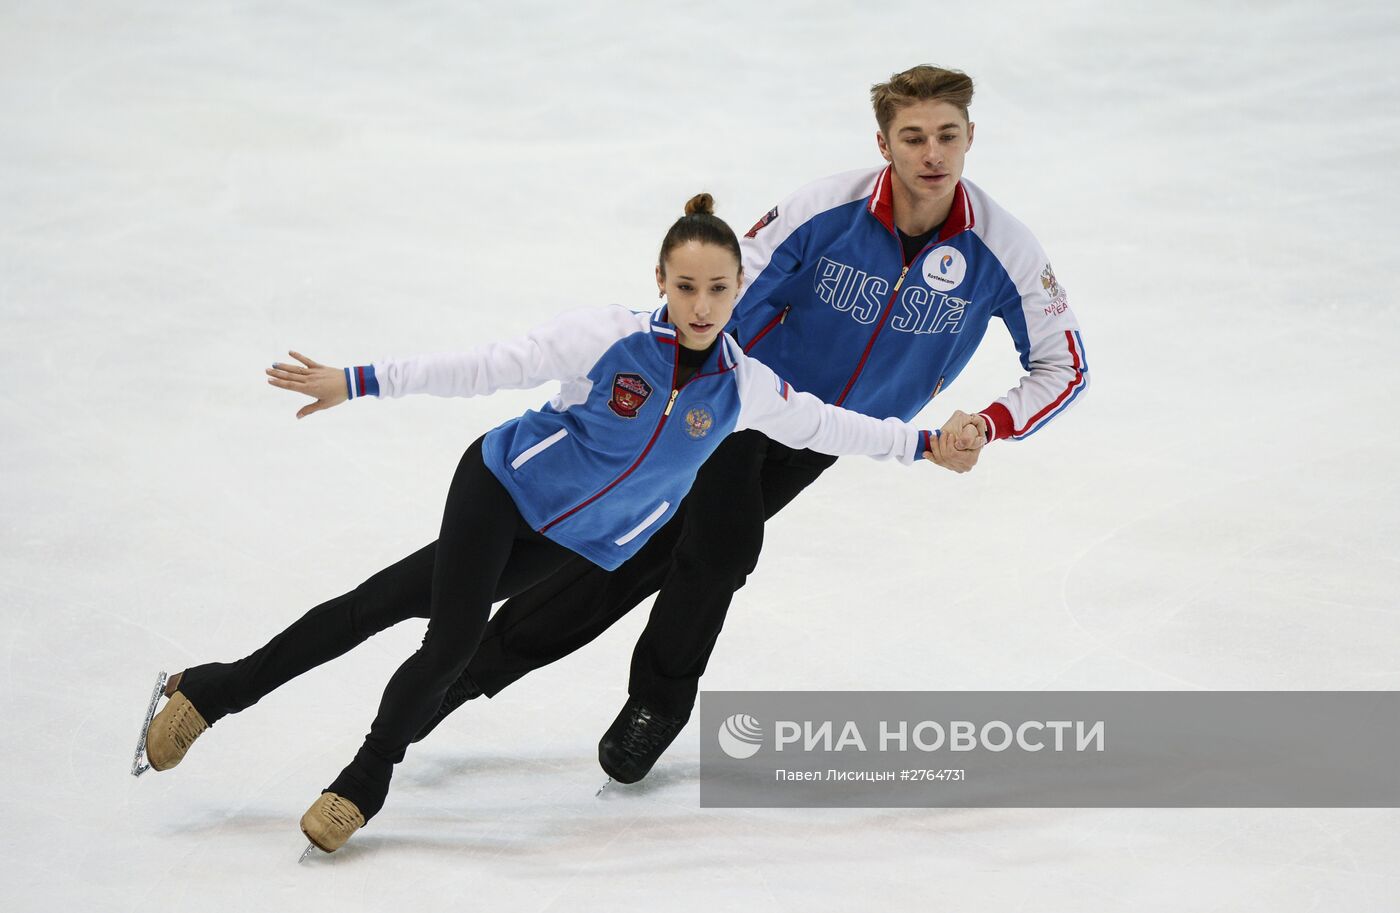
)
(645, 399)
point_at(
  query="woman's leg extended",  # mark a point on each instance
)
(334, 627)
(483, 540)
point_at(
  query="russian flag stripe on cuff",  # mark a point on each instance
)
(926, 439)
(360, 381)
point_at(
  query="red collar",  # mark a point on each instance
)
(881, 206)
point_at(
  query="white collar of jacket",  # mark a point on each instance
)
(720, 358)
(881, 206)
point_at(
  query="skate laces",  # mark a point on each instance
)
(341, 812)
(185, 724)
(646, 731)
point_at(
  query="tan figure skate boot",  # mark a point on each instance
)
(174, 729)
(330, 821)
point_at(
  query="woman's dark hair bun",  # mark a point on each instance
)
(701, 203)
(700, 224)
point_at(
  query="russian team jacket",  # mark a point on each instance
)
(830, 304)
(607, 461)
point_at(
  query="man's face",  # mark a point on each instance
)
(927, 143)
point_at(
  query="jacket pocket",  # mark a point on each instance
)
(642, 527)
(758, 337)
(532, 452)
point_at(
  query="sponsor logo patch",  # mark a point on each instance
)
(944, 268)
(762, 223)
(629, 393)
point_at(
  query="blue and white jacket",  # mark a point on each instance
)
(607, 461)
(830, 304)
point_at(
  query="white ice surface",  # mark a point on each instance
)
(188, 190)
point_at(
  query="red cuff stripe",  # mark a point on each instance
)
(998, 421)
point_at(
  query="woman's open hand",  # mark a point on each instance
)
(324, 384)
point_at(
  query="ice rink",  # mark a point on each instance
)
(188, 190)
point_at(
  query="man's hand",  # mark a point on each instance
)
(959, 442)
(323, 384)
(969, 431)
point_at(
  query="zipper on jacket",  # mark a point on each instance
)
(675, 392)
(884, 318)
(781, 318)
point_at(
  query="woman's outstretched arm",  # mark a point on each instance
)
(565, 348)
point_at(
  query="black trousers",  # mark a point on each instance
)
(485, 551)
(558, 602)
(696, 563)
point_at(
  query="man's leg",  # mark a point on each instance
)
(732, 498)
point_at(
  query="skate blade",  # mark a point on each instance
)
(139, 763)
(603, 787)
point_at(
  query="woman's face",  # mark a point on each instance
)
(701, 283)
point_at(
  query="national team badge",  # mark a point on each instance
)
(698, 421)
(762, 223)
(1052, 288)
(629, 393)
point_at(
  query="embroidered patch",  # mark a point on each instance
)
(1057, 304)
(762, 223)
(629, 393)
(698, 421)
(783, 388)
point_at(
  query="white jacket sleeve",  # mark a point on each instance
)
(800, 420)
(1046, 334)
(565, 348)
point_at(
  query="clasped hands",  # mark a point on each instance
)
(959, 442)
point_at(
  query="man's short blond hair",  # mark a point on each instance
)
(916, 84)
